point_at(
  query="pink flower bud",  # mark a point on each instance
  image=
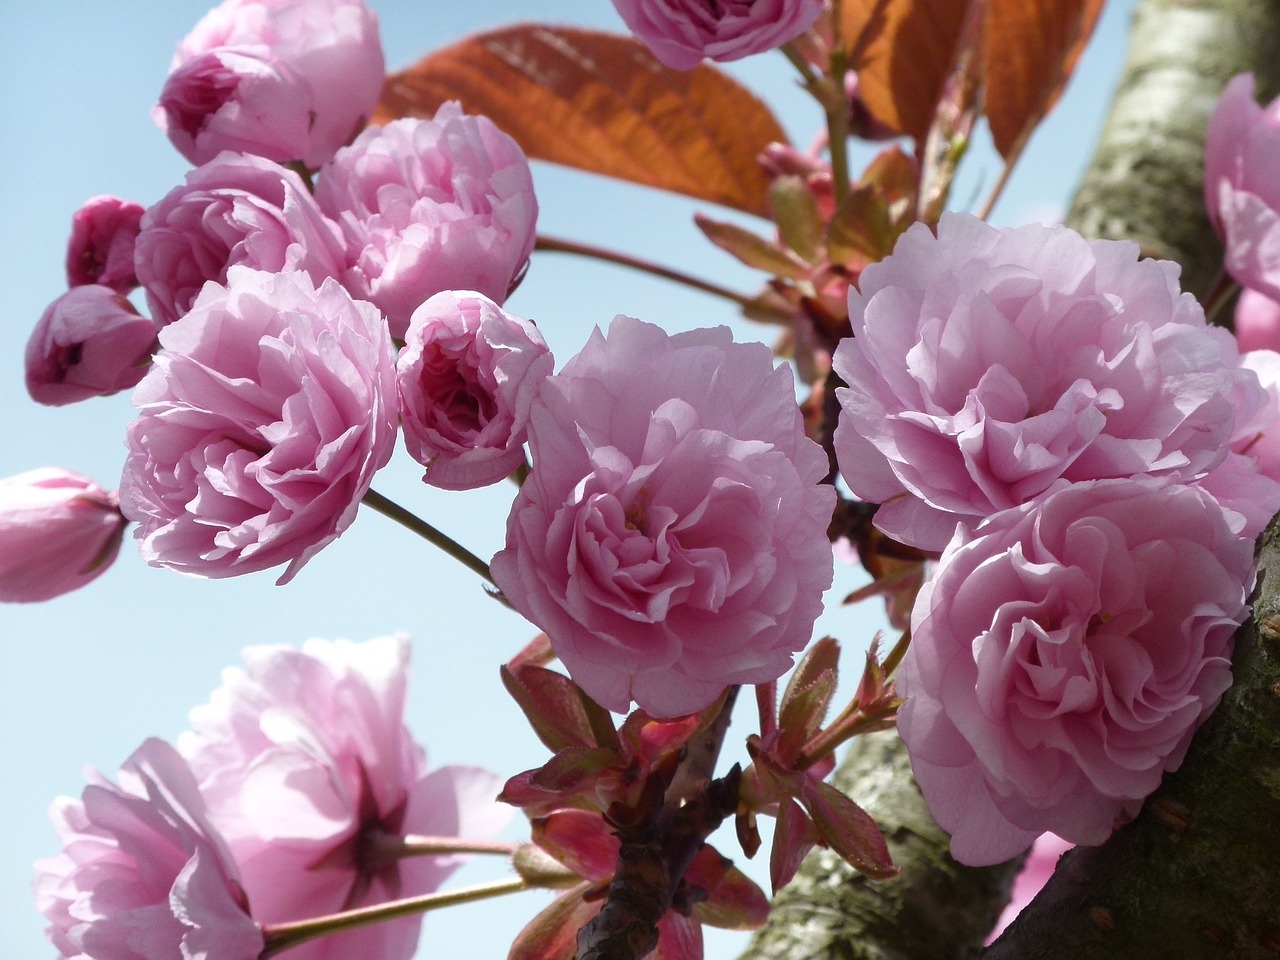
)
(467, 378)
(681, 32)
(59, 530)
(100, 250)
(283, 79)
(1242, 149)
(89, 343)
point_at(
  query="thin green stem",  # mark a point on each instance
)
(410, 521)
(1219, 295)
(282, 936)
(559, 245)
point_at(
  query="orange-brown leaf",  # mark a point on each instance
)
(602, 103)
(1031, 48)
(903, 51)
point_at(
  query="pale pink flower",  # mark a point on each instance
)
(985, 364)
(236, 210)
(431, 205)
(283, 79)
(681, 32)
(143, 874)
(1062, 657)
(100, 249)
(260, 426)
(1248, 480)
(311, 775)
(59, 530)
(671, 535)
(467, 377)
(1242, 150)
(90, 342)
(1257, 321)
(1035, 873)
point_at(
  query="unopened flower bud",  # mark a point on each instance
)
(90, 342)
(100, 249)
(59, 530)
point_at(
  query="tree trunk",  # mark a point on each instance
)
(1195, 874)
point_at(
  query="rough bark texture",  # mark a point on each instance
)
(937, 909)
(1196, 874)
(1145, 180)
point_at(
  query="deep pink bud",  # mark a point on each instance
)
(59, 530)
(680, 33)
(100, 250)
(89, 343)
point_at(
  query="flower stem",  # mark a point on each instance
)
(282, 936)
(558, 245)
(1219, 295)
(389, 508)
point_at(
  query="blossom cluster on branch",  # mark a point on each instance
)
(1052, 465)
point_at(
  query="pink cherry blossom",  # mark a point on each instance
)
(431, 205)
(282, 79)
(236, 210)
(671, 536)
(144, 875)
(60, 530)
(681, 32)
(1242, 149)
(260, 426)
(311, 775)
(986, 363)
(100, 249)
(1062, 657)
(89, 343)
(1248, 480)
(1257, 321)
(467, 377)
(1035, 873)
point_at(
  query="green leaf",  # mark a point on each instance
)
(753, 250)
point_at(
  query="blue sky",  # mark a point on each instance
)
(87, 677)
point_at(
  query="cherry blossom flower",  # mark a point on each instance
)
(1257, 321)
(986, 363)
(312, 776)
(431, 205)
(236, 210)
(260, 426)
(282, 79)
(1242, 148)
(1062, 657)
(60, 530)
(680, 33)
(671, 536)
(467, 377)
(143, 874)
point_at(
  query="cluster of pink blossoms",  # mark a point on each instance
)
(289, 799)
(1058, 419)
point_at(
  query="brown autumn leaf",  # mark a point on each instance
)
(601, 103)
(1032, 47)
(903, 51)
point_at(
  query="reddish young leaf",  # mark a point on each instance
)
(560, 713)
(679, 938)
(848, 830)
(795, 210)
(553, 933)
(580, 840)
(752, 249)
(1032, 47)
(601, 103)
(861, 231)
(570, 769)
(793, 838)
(807, 696)
(903, 51)
(537, 652)
(734, 901)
